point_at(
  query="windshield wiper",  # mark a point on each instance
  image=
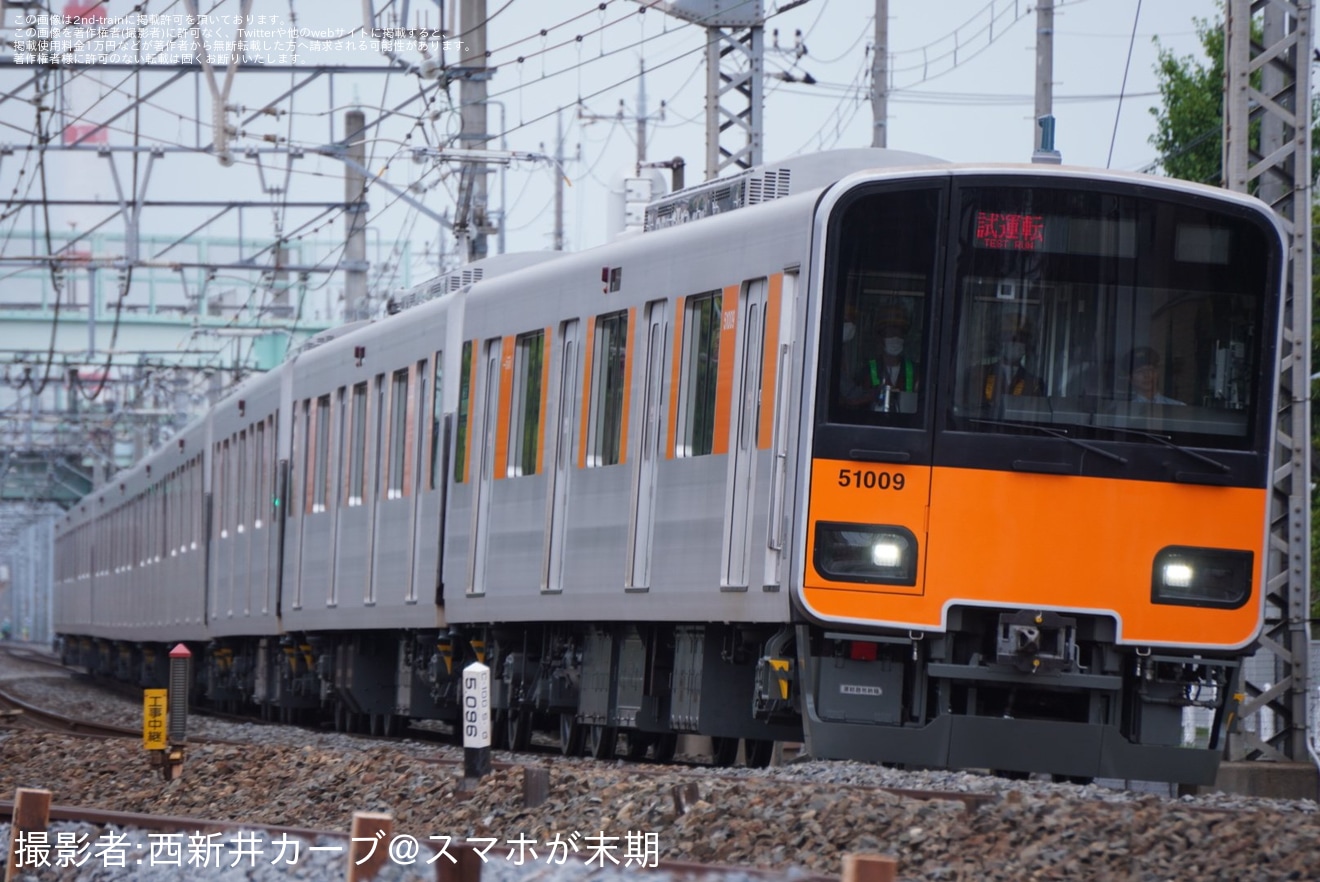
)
(1057, 433)
(1161, 439)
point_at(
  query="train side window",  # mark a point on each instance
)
(198, 532)
(221, 490)
(398, 431)
(339, 487)
(525, 405)
(700, 374)
(437, 412)
(308, 456)
(464, 407)
(417, 423)
(240, 507)
(605, 423)
(322, 453)
(358, 449)
(378, 446)
(263, 475)
(295, 456)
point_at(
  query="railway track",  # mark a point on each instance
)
(24, 714)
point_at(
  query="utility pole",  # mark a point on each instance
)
(558, 244)
(475, 134)
(880, 76)
(1275, 682)
(735, 62)
(1043, 148)
(355, 233)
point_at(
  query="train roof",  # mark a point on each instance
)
(796, 174)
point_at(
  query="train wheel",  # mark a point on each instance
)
(759, 752)
(393, 724)
(1010, 774)
(341, 714)
(638, 742)
(519, 724)
(724, 751)
(602, 741)
(1079, 780)
(571, 734)
(499, 730)
(665, 746)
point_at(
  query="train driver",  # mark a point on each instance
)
(1008, 375)
(883, 379)
(1145, 377)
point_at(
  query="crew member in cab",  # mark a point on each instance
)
(887, 379)
(1008, 374)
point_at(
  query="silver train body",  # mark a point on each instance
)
(591, 471)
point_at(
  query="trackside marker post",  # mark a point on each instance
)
(177, 727)
(31, 815)
(369, 849)
(476, 723)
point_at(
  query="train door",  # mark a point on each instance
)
(481, 462)
(413, 473)
(775, 426)
(643, 490)
(570, 343)
(745, 401)
(334, 496)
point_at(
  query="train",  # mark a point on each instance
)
(934, 464)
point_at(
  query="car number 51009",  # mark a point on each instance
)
(868, 479)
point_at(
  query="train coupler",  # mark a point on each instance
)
(1036, 641)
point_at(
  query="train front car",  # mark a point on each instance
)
(1036, 506)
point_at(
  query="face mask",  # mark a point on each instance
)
(1014, 352)
(849, 331)
(893, 346)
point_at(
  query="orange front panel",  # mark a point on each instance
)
(770, 362)
(500, 468)
(1069, 543)
(724, 376)
(865, 493)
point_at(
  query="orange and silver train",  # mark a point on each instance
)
(914, 462)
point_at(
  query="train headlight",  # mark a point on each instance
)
(1189, 576)
(872, 553)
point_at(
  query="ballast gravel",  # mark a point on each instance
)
(798, 819)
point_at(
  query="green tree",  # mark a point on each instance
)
(1189, 123)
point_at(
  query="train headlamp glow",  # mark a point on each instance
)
(1178, 575)
(1215, 577)
(874, 553)
(887, 552)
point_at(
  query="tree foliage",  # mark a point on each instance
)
(1189, 123)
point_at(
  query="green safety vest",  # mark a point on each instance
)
(907, 373)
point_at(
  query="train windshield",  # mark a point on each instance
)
(1107, 315)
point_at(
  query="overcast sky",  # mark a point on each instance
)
(963, 91)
